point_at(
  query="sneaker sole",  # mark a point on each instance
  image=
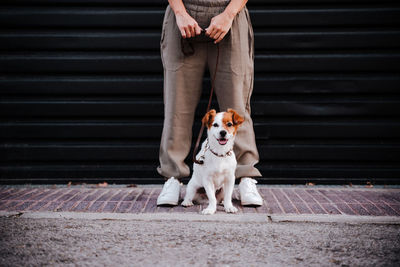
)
(251, 204)
(167, 203)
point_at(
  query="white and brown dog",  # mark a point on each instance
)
(217, 173)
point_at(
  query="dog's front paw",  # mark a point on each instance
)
(231, 209)
(208, 211)
(187, 203)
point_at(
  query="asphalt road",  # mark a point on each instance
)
(70, 242)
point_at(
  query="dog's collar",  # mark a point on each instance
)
(215, 153)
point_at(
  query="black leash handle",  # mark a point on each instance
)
(208, 109)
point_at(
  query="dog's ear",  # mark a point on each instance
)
(236, 118)
(209, 118)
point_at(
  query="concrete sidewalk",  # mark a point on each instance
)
(317, 203)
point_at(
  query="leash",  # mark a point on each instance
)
(208, 109)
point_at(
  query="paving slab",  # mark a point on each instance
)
(287, 201)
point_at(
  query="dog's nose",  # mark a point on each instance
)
(222, 133)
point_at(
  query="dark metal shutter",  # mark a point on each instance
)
(81, 90)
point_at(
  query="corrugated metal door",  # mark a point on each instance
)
(81, 90)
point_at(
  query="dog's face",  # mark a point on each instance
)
(222, 126)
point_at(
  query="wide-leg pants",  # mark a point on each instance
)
(183, 77)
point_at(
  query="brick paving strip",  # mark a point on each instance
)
(277, 200)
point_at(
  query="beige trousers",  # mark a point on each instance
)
(183, 77)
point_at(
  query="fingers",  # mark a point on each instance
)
(198, 29)
(183, 33)
(211, 31)
(219, 27)
(186, 32)
(188, 27)
(195, 29)
(218, 35)
(190, 30)
(220, 38)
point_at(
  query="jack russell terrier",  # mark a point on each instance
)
(217, 173)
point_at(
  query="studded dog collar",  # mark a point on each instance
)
(215, 153)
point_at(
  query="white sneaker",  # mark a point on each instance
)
(170, 193)
(248, 192)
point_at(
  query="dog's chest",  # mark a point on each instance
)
(219, 177)
(220, 168)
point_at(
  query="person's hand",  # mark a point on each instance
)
(187, 25)
(219, 26)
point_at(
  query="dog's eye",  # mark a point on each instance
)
(229, 124)
(215, 124)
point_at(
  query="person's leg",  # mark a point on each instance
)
(233, 87)
(182, 91)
